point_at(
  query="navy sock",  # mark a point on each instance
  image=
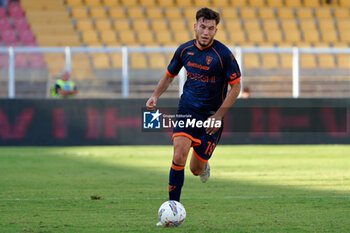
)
(176, 181)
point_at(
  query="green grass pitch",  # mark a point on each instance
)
(251, 189)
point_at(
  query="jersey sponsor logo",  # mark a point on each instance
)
(209, 59)
(201, 77)
(190, 53)
(199, 66)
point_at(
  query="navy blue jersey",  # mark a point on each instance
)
(209, 71)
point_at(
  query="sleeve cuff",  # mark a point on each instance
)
(234, 81)
(170, 75)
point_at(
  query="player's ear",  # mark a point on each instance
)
(195, 26)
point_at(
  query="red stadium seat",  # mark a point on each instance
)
(14, 43)
(5, 24)
(21, 61)
(21, 24)
(4, 63)
(3, 13)
(8, 36)
(37, 61)
(26, 36)
(16, 11)
(30, 43)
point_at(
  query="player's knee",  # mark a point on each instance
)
(196, 170)
(180, 157)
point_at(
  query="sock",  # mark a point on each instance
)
(176, 181)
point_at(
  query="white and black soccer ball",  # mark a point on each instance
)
(171, 214)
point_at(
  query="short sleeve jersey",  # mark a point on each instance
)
(209, 71)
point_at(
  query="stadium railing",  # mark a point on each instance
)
(239, 52)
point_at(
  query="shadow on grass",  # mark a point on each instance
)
(54, 186)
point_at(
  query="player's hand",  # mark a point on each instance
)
(212, 129)
(151, 103)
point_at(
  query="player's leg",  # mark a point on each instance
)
(182, 146)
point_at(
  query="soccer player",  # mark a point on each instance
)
(211, 67)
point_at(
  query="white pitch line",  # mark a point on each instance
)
(184, 198)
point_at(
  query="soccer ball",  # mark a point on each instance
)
(171, 214)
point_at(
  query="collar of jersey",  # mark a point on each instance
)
(204, 47)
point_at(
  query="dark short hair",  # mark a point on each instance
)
(207, 13)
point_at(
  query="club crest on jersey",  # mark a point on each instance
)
(209, 59)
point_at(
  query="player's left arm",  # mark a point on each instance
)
(228, 101)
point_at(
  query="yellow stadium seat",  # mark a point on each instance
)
(312, 3)
(177, 24)
(129, 3)
(166, 3)
(308, 24)
(274, 36)
(164, 37)
(293, 3)
(84, 25)
(289, 25)
(98, 12)
(248, 13)
(270, 60)
(345, 36)
(285, 13)
(184, 3)
(308, 61)
(182, 36)
(266, 13)
(159, 25)
(329, 36)
(343, 24)
(93, 3)
(117, 13)
(233, 24)
(304, 13)
(270, 24)
(90, 36)
(173, 13)
(136, 12)
(140, 24)
(201, 3)
(344, 3)
(256, 3)
(326, 61)
(251, 24)
(284, 44)
(148, 3)
(103, 24)
(74, 3)
(323, 13)
(100, 61)
(343, 61)
(127, 37)
(229, 13)
(157, 60)
(222, 37)
(292, 36)
(341, 13)
(237, 37)
(116, 60)
(108, 36)
(304, 44)
(326, 24)
(311, 36)
(251, 61)
(341, 44)
(145, 37)
(321, 44)
(256, 36)
(286, 60)
(79, 12)
(275, 3)
(154, 12)
(239, 3)
(220, 3)
(138, 61)
(190, 12)
(110, 3)
(122, 24)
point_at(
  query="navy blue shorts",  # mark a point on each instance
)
(203, 144)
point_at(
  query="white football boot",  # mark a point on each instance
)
(205, 174)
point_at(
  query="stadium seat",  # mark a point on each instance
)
(111, 3)
(79, 12)
(274, 36)
(326, 24)
(344, 3)
(256, 3)
(237, 37)
(122, 24)
(100, 61)
(222, 37)
(127, 37)
(138, 61)
(116, 60)
(266, 13)
(145, 37)
(15, 10)
(286, 60)
(157, 60)
(308, 24)
(177, 24)
(292, 36)
(343, 61)
(136, 12)
(248, 13)
(159, 24)
(256, 36)
(129, 3)
(117, 13)
(275, 3)
(98, 12)
(90, 37)
(173, 13)
(74, 3)
(8, 36)
(108, 36)
(166, 3)
(184, 3)
(251, 61)
(202, 3)
(239, 3)
(233, 25)
(148, 3)
(36, 61)
(20, 24)
(21, 61)
(93, 3)
(182, 36)
(103, 24)
(221, 3)
(84, 24)
(3, 13)
(270, 24)
(312, 3)
(140, 24)
(154, 12)
(251, 24)
(5, 24)
(190, 12)
(345, 36)
(270, 60)
(26, 36)
(329, 36)
(311, 35)
(229, 13)
(4, 61)
(308, 61)
(341, 13)
(326, 61)
(164, 37)
(323, 13)
(285, 13)
(293, 3)
(343, 24)
(304, 13)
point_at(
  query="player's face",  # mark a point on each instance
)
(205, 30)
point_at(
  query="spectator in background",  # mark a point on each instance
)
(329, 1)
(3, 3)
(64, 87)
(246, 93)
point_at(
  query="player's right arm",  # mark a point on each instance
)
(161, 88)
